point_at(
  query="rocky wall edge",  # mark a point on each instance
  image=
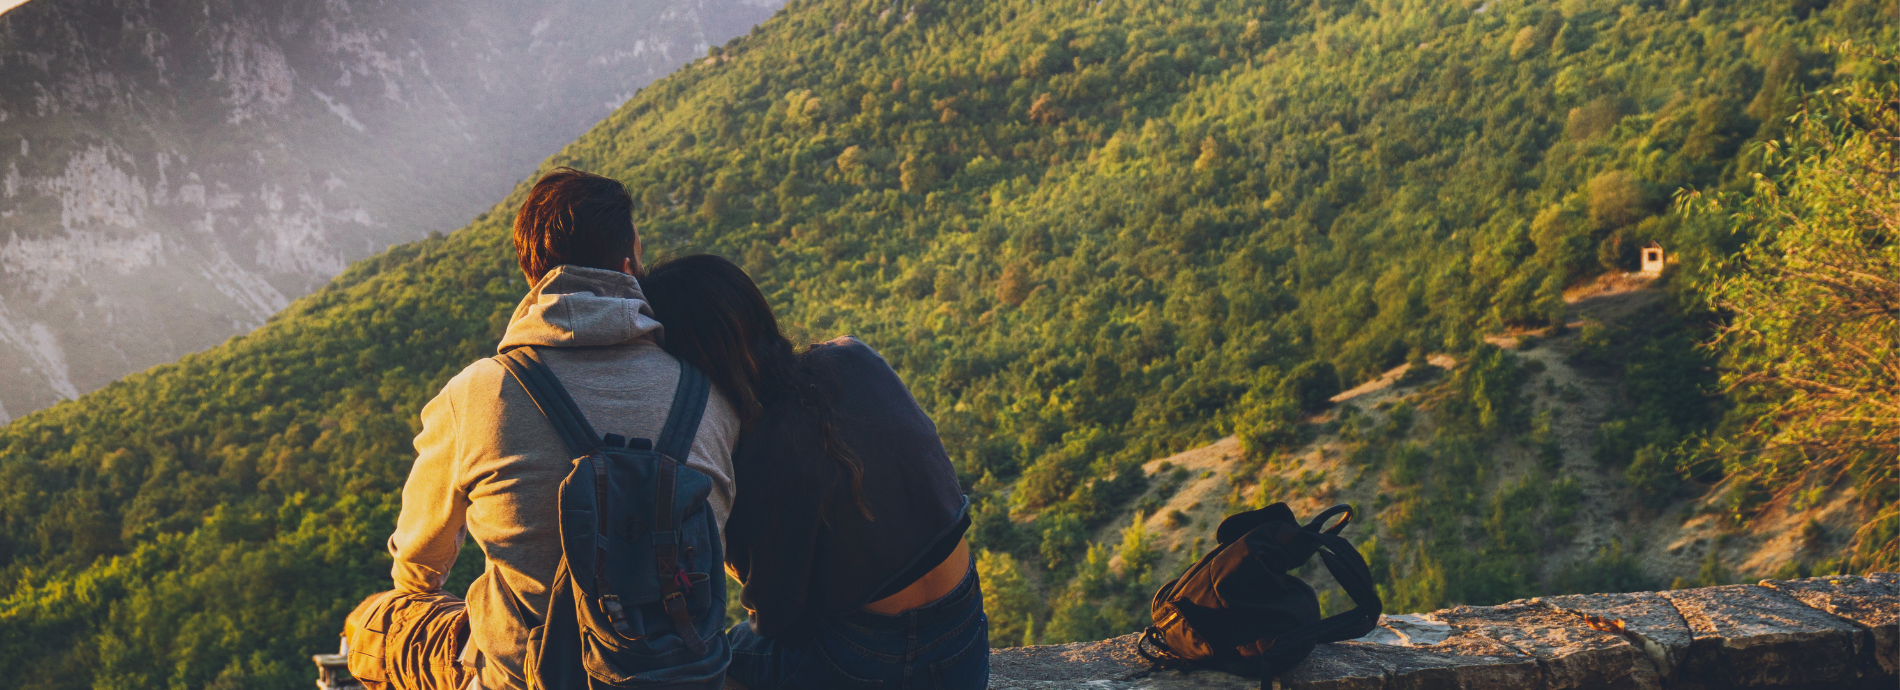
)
(1824, 632)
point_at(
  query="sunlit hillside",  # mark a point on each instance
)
(1089, 235)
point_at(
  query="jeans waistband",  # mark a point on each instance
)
(944, 608)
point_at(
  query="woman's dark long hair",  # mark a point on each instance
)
(716, 319)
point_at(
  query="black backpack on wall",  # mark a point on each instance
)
(1239, 609)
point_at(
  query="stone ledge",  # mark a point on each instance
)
(1752, 636)
(1867, 603)
(1828, 632)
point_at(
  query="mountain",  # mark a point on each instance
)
(175, 172)
(1088, 236)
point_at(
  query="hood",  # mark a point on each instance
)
(581, 307)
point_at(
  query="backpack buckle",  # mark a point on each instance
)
(616, 615)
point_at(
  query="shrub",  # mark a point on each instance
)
(1310, 386)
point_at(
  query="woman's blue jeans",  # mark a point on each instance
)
(942, 646)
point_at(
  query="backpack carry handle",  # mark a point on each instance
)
(1319, 520)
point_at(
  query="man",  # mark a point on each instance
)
(490, 466)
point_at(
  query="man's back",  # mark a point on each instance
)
(488, 462)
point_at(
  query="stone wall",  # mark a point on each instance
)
(1826, 632)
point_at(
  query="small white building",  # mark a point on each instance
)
(1652, 259)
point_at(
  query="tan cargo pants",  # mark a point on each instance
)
(409, 641)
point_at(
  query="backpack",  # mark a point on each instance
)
(638, 600)
(1239, 610)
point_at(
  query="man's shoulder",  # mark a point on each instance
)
(484, 374)
(483, 369)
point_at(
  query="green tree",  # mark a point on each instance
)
(1008, 599)
(1813, 346)
(1311, 386)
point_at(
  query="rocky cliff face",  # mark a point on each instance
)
(172, 172)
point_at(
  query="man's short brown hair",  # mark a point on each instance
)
(577, 218)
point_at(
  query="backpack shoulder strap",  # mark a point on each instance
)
(675, 442)
(1350, 570)
(551, 398)
(689, 407)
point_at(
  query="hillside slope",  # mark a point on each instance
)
(1087, 236)
(1450, 511)
(1657, 542)
(176, 172)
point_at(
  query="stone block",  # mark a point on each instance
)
(1467, 665)
(1110, 664)
(1570, 652)
(1109, 659)
(1649, 620)
(1408, 630)
(1339, 666)
(1752, 636)
(1459, 662)
(1872, 605)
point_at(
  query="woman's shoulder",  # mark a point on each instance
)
(851, 369)
(843, 352)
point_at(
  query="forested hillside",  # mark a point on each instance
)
(1088, 234)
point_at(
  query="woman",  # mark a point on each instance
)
(847, 527)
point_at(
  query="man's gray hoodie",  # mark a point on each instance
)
(488, 464)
